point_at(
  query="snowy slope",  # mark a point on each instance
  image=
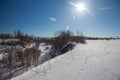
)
(96, 60)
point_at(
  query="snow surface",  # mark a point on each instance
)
(45, 52)
(96, 60)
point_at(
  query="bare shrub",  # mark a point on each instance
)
(31, 56)
(62, 37)
(8, 60)
(78, 39)
(14, 57)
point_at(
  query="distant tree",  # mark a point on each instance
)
(5, 36)
(22, 37)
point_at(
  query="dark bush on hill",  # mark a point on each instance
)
(63, 37)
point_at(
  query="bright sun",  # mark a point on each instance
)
(81, 7)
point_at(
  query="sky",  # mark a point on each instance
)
(45, 17)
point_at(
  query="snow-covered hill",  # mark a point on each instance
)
(96, 60)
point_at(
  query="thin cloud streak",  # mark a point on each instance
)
(53, 19)
(90, 13)
(73, 4)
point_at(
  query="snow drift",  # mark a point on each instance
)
(96, 60)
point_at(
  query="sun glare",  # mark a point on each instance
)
(81, 7)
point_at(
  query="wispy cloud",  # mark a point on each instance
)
(53, 19)
(106, 8)
(73, 4)
(90, 13)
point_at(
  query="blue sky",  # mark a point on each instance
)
(44, 17)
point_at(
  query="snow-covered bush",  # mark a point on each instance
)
(68, 46)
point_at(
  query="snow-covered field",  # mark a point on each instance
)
(96, 60)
